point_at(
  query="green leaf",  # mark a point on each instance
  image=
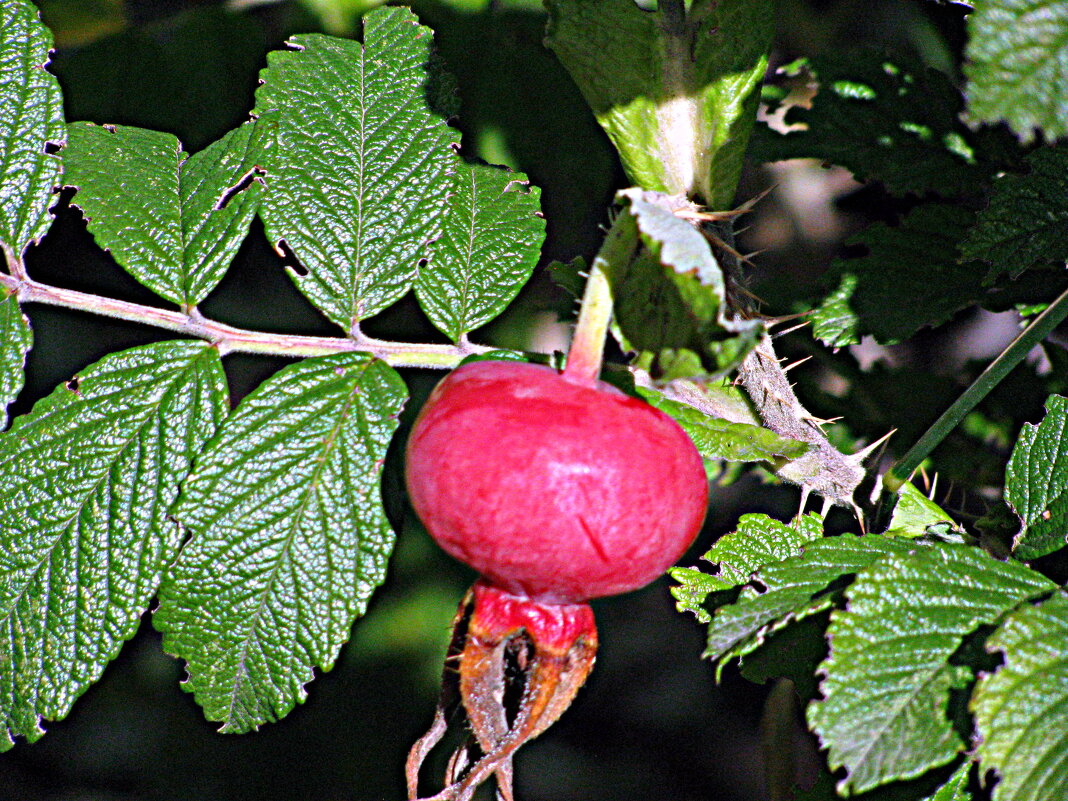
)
(884, 121)
(1021, 710)
(1036, 482)
(173, 221)
(672, 297)
(1016, 64)
(792, 590)
(909, 278)
(887, 680)
(490, 241)
(16, 339)
(717, 438)
(916, 515)
(1026, 223)
(288, 537)
(86, 483)
(677, 97)
(758, 541)
(956, 788)
(31, 122)
(358, 179)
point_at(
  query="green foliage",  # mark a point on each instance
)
(16, 339)
(758, 541)
(490, 241)
(671, 299)
(1036, 482)
(910, 277)
(86, 483)
(719, 439)
(1026, 223)
(885, 121)
(360, 223)
(1021, 709)
(288, 537)
(173, 221)
(31, 120)
(675, 91)
(1017, 65)
(916, 515)
(889, 674)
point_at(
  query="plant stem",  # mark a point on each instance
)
(238, 340)
(1041, 327)
(587, 345)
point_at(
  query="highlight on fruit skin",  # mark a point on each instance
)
(556, 490)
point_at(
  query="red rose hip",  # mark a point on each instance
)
(552, 489)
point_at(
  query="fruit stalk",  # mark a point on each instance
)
(587, 345)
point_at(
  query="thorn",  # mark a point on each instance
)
(934, 486)
(790, 367)
(865, 452)
(827, 504)
(805, 492)
(926, 480)
(860, 516)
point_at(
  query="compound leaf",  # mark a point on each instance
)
(173, 221)
(1036, 482)
(87, 479)
(1026, 223)
(361, 170)
(16, 339)
(887, 680)
(792, 589)
(759, 540)
(490, 241)
(677, 97)
(910, 277)
(1016, 64)
(883, 121)
(1021, 710)
(30, 125)
(288, 537)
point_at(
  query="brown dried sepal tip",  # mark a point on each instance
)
(521, 662)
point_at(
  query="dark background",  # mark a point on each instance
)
(651, 725)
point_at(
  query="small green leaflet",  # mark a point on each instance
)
(717, 438)
(16, 339)
(793, 589)
(672, 296)
(1036, 482)
(1016, 64)
(956, 788)
(32, 120)
(916, 515)
(677, 97)
(910, 277)
(358, 180)
(288, 537)
(1021, 710)
(887, 680)
(883, 121)
(490, 241)
(173, 221)
(1026, 223)
(86, 483)
(758, 541)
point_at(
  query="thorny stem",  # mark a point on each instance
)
(587, 345)
(229, 339)
(1041, 327)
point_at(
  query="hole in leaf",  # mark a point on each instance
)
(290, 258)
(246, 180)
(73, 384)
(51, 148)
(422, 263)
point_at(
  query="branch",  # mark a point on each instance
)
(237, 340)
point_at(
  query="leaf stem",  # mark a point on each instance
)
(1041, 327)
(587, 345)
(239, 340)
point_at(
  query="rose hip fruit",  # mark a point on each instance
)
(551, 489)
(556, 489)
